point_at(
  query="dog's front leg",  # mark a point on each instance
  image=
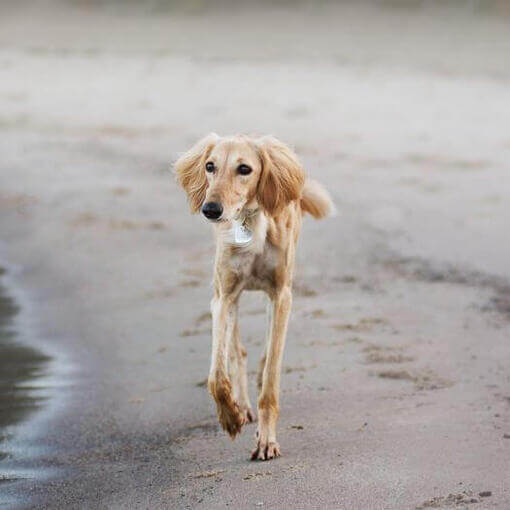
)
(229, 413)
(268, 402)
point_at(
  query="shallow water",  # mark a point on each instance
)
(21, 391)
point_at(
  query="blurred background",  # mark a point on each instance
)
(395, 390)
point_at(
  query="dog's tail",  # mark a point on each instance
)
(316, 201)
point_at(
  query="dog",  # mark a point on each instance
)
(254, 192)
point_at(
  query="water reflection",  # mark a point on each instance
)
(20, 368)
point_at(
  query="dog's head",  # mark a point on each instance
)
(224, 176)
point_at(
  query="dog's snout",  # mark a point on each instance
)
(212, 210)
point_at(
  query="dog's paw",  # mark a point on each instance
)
(230, 414)
(249, 415)
(231, 418)
(265, 451)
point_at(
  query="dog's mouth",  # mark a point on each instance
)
(216, 220)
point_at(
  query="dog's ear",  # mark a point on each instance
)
(282, 178)
(190, 172)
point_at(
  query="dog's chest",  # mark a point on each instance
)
(256, 270)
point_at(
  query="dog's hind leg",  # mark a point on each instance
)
(238, 373)
(262, 362)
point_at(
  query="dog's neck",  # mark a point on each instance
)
(248, 231)
(248, 217)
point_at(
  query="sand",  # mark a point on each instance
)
(395, 392)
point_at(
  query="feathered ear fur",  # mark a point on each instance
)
(190, 173)
(282, 177)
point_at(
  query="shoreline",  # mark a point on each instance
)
(50, 387)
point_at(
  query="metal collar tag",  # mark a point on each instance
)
(241, 235)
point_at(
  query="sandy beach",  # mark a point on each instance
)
(396, 379)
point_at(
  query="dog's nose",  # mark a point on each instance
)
(212, 210)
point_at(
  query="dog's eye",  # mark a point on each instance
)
(209, 166)
(243, 169)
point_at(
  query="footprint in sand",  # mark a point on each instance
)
(425, 380)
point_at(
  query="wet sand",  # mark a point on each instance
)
(25, 391)
(395, 392)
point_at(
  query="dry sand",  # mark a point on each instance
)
(396, 389)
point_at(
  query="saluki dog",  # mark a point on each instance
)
(254, 192)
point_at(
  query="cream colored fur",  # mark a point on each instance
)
(270, 201)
